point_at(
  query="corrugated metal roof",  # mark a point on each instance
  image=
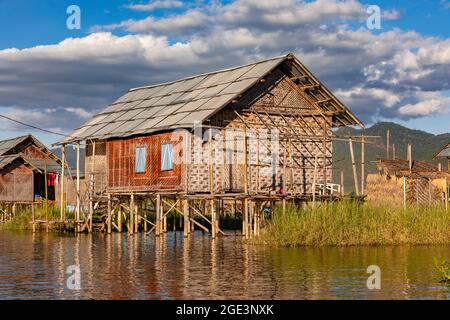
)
(177, 104)
(5, 160)
(185, 102)
(444, 152)
(7, 145)
(38, 165)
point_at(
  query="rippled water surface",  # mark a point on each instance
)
(142, 267)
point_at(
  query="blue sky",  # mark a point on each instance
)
(59, 78)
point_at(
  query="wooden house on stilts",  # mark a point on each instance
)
(28, 173)
(235, 140)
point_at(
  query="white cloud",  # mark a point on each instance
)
(433, 103)
(386, 73)
(153, 5)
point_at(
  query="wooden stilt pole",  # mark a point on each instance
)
(404, 192)
(46, 196)
(109, 214)
(410, 156)
(119, 218)
(362, 165)
(164, 219)
(446, 194)
(92, 188)
(144, 214)
(158, 215)
(186, 230)
(137, 219)
(63, 166)
(388, 136)
(245, 211)
(355, 176)
(314, 182)
(213, 218)
(34, 217)
(78, 208)
(342, 183)
(131, 222)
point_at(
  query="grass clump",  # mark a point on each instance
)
(351, 223)
(443, 270)
(22, 220)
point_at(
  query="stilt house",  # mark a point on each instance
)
(259, 129)
(24, 163)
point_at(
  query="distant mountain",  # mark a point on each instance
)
(424, 146)
(71, 157)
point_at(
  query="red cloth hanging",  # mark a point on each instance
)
(51, 179)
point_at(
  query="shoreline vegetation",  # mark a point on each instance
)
(344, 223)
(349, 223)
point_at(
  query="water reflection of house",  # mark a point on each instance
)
(400, 181)
(24, 161)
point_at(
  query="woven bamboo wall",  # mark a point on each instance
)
(292, 166)
(419, 190)
(17, 185)
(100, 165)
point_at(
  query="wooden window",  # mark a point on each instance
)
(141, 157)
(166, 157)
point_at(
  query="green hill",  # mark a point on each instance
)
(424, 146)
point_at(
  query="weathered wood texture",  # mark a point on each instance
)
(122, 176)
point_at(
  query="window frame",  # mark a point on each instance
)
(142, 157)
(163, 153)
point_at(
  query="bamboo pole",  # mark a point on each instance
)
(186, 217)
(355, 176)
(46, 195)
(63, 165)
(388, 134)
(158, 215)
(131, 222)
(109, 214)
(119, 218)
(92, 191)
(342, 183)
(78, 189)
(33, 217)
(245, 211)
(404, 192)
(362, 165)
(410, 156)
(213, 219)
(314, 182)
(446, 194)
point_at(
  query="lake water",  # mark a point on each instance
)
(34, 266)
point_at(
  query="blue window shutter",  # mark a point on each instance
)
(141, 157)
(166, 157)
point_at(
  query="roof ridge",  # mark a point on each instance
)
(209, 73)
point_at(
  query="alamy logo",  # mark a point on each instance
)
(374, 281)
(74, 280)
(374, 20)
(74, 20)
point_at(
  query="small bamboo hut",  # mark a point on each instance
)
(407, 182)
(24, 161)
(239, 139)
